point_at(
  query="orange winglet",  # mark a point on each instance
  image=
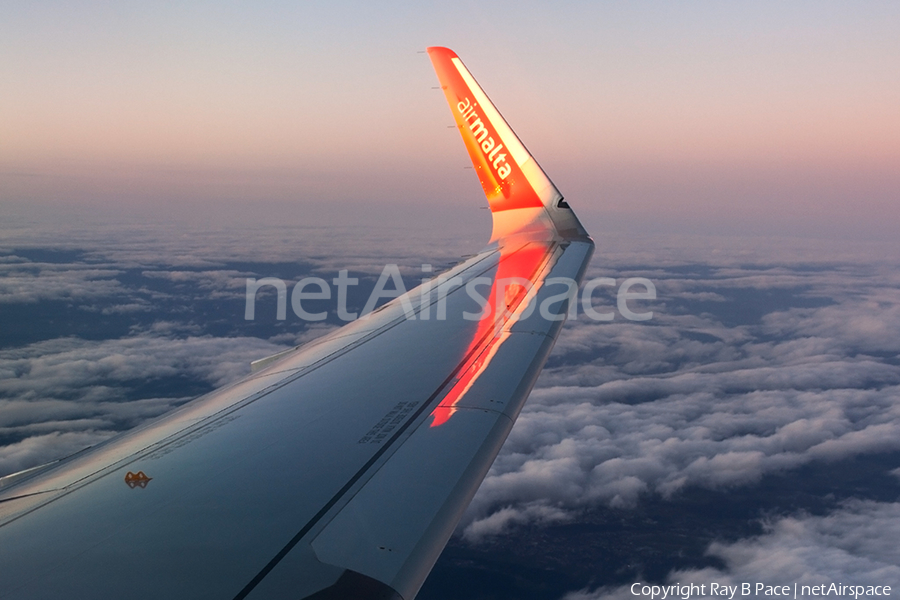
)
(510, 177)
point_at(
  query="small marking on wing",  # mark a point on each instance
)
(184, 441)
(388, 423)
(138, 479)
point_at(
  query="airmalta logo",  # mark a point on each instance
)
(491, 149)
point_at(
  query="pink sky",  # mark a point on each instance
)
(698, 112)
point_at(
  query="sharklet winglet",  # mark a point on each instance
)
(521, 196)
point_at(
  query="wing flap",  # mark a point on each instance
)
(396, 537)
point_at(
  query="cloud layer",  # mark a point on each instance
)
(626, 409)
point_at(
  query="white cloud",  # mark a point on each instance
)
(503, 519)
(628, 409)
(26, 282)
(855, 545)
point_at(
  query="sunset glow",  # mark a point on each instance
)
(706, 112)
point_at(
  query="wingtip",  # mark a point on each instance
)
(441, 50)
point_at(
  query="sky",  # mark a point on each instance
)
(697, 116)
(742, 156)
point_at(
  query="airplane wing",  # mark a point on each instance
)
(339, 469)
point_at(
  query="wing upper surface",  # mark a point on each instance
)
(338, 470)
